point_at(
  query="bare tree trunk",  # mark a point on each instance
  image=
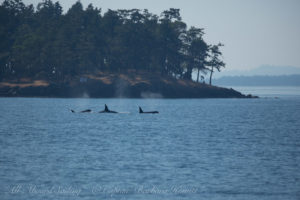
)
(198, 75)
(188, 74)
(211, 73)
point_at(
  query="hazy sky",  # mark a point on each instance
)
(255, 32)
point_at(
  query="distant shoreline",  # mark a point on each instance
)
(116, 86)
(263, 81)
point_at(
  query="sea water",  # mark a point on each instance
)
(192, 149)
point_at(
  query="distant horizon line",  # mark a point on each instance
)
(259, 66)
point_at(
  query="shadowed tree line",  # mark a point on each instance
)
(45, 42)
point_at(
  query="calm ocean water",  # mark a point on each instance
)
(283, 92)
(194, 149)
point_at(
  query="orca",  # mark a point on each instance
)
(106, 110)
(149, 112)
(84, 111)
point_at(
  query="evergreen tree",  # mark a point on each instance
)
(215, 60)
(45, 43)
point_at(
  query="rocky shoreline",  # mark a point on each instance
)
(116, 86)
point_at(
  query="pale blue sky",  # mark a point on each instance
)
(255, 32)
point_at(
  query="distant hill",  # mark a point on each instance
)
(284, 80)
(265, 70)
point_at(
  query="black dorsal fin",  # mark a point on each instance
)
(141, 111)
(106, 108)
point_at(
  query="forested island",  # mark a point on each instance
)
(120, 53)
